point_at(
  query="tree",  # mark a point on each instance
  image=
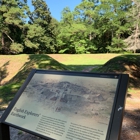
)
(84, 11)
(110, 24)
(72, 39)
(40, 30)
(133, 41)
(76, 29)
(67, 16)
(12, 19)
(64, 32)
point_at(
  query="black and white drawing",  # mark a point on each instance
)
(74, 96)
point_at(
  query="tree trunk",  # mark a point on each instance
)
(90, 37)
(10, 38)
(2, 41)
(136, 36)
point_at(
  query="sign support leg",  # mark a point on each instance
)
(4, 132)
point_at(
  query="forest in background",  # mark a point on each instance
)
(94, 26)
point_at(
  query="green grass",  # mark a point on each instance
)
(29, 62)
(79, 62)
(19, 66)
(118, 63)
(127, 64)
(7, 93)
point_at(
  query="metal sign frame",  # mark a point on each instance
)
(116, 117)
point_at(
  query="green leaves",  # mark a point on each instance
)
(84, 11)
(41, 30)
(92, 27)
(16, 48)
(13, 16)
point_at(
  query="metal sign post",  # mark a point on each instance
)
(4, 132)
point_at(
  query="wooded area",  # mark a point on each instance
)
(95, 26)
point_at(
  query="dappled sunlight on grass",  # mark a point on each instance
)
(7, 93)
(36, 62)
(126, 64)
(82, 59)
(20, 66)
(8, 90)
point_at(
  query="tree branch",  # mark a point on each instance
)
(9, 37)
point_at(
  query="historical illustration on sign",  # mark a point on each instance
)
(78, 97)
(75, 102)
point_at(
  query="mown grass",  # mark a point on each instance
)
(79, 62)
(18, 69)
(127, 64)
(19, 66)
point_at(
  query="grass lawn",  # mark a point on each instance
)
(79, 62)
(14, 69)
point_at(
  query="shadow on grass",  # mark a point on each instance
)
(127, 64)
(84, 68)
(8, 91)
(131, 125)
(3, 71)
(37, 62)
(116, 65)
(129, 95)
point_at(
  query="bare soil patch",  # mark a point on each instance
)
(131, 120)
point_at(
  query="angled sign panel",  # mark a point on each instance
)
(65, 105)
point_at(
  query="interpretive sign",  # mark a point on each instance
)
(66, 105)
